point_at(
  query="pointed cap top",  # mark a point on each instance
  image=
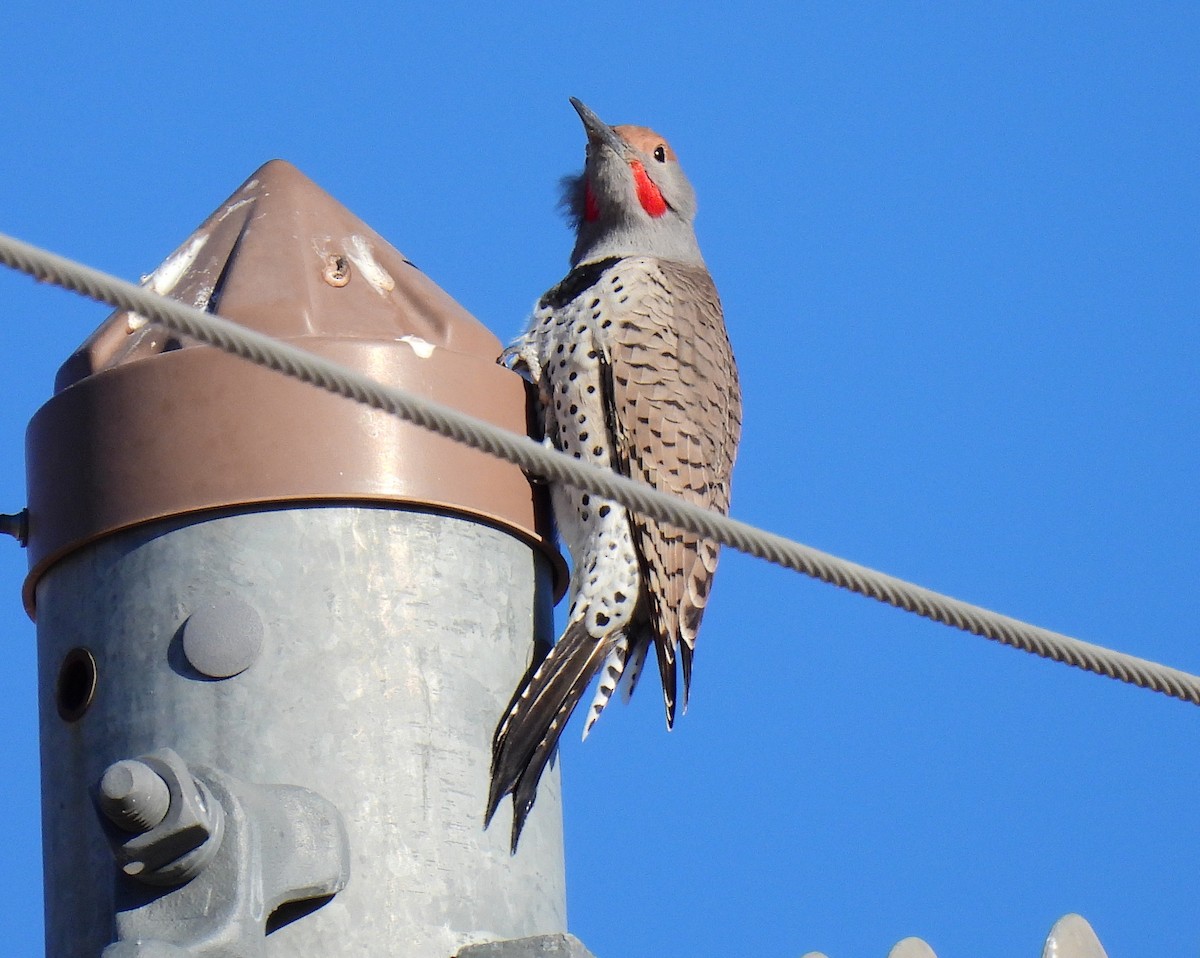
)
(283, 257)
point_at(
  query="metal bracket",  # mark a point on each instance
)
(210, 876)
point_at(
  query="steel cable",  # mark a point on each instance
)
(552, 465)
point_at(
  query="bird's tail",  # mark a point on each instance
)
(527, 734)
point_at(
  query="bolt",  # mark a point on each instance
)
(166, 826)
(16, 525)
(133, 796)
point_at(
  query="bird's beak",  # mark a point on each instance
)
(597, 130)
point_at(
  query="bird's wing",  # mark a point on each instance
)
(677, 417)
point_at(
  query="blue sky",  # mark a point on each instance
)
(957, 246)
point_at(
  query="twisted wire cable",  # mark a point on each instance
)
(536, 459)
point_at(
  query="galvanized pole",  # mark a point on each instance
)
(276, 629)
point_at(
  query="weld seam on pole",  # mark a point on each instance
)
(553, 465)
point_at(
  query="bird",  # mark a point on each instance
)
(634, 372)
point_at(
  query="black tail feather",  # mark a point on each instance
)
(685, 660)
(666, 670)
(541, 651)
(526, 736)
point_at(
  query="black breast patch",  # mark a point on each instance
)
(580, 279)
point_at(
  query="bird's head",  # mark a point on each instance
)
(632, 197)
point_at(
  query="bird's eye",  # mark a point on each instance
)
(660, 153)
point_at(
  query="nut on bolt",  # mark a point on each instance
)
(163, 824)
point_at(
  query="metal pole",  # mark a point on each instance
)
(276, 631)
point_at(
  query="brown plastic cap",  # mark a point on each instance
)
(144, 426)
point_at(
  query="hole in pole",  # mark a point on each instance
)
(290, 911)
(76, 686)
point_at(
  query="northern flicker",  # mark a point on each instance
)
(634, 373)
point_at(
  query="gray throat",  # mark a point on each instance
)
(675, 242)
